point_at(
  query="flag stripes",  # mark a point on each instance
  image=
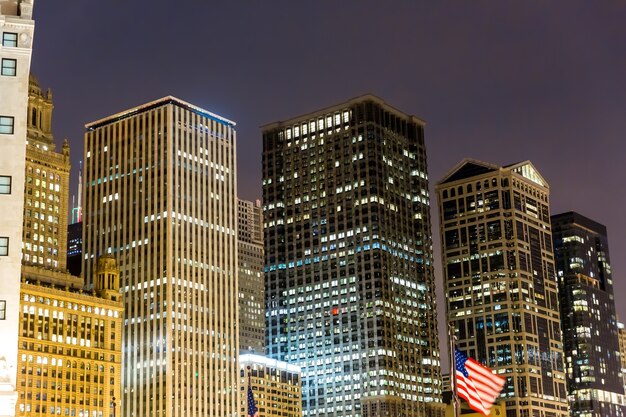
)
(477, 384)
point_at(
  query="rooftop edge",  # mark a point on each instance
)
(158, 103)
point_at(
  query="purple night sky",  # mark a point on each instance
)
(497, 81)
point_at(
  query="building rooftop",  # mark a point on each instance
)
(264, 360)
(573, 217)
(158, 103)
(343, 105)
(469, 168)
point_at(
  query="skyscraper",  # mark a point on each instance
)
(251, 283)
(17, 29)
(621, 332)
(588, 320)
(46, 188)
(348, 260)
(75, 248)
(75, 230)
(160, 195)
(500, 281)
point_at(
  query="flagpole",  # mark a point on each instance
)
(455, 393)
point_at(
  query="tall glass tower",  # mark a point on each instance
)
(348, 260)
(160, 196)
(590, 331)
(500, 281)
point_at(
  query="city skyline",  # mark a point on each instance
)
(498, 83)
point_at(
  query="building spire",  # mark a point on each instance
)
(77, 210)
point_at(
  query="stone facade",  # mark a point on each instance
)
(16, 41)
(46, 188)
(70, 343)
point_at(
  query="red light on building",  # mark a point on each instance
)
(335, 311)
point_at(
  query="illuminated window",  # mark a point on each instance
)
(9, 67)
(9, 39)
(6, 125)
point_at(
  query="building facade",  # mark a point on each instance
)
(588, 320)
(70, 343)
(621, 331)
(500, 280)
(276, 386)
(251, 282)
(160, 195)
(17, 30)
(75, 231)
(46, 188)
(75, 248)
(498, 410)
(348, 260)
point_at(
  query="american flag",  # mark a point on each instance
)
(476, 383)
(252, 410)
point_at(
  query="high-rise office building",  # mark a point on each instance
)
(160, 195)
(500, 281)
(17, 30)
(588, 320)
(621, 332)
(348, 260)
(75, 231)
(77, 205)
(70, 343)
(251, 283)
(75, 248)
(276, 386)
(46, 188)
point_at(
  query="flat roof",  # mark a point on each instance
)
(158, 103)
(343, 105)
(248, 358)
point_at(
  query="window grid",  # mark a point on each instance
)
(5, 184)
(9, 39)
(4, 246)
(6, 125)
(9, 67)
(3, 309)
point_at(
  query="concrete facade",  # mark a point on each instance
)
(251, 282)
(160, 195)
(16, 31)
(276, 386)
(70, 343)
(46, 188)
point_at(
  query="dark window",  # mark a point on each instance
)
(9, 67)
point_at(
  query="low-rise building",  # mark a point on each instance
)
(276, 386)
(70, 343)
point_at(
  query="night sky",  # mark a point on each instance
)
(501, 82)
